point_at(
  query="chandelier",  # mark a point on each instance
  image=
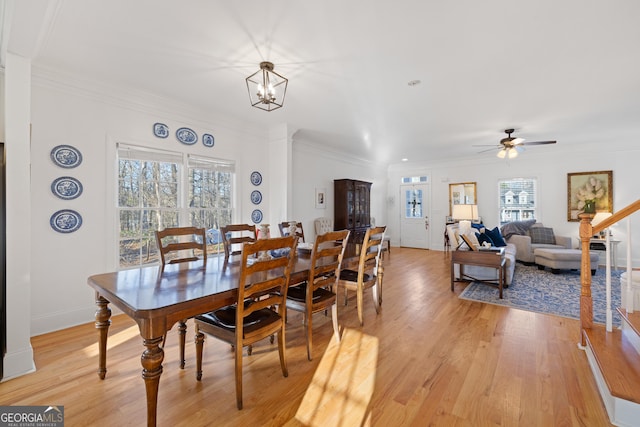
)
(266, 88)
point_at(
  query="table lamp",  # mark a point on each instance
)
(464, 214)
(598, 218)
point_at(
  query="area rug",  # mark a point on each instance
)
(544, 292)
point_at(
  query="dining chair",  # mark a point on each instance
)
(284, 229)
(258, 310)
(323, 225)
(177, 245)
(386, 243)
(234, 236)
(173, 242)
(318, 292)
(369, 273)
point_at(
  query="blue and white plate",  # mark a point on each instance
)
(66, 187)
(66, 156)
(66, 221)
(160, 130)
(208, 140)
(186, 136)
(256, 216)
(256, 178)
(277, 253)
(256, 197)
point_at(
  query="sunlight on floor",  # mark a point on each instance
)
(341, 389)
(113, 340)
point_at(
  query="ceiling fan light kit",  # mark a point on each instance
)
(266, 88)
(509, 147)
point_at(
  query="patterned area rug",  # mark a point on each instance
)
(545, 292)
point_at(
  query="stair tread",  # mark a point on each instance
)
(618, 361)
(632, 319)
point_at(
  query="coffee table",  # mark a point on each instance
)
(493, 257)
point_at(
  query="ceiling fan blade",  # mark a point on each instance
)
(484, 151)
(517, 141)
(539, 142)
(487, 145)
(519, 148)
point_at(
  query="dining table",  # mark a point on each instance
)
(157, 298)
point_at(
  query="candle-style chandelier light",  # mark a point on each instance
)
(266, 88)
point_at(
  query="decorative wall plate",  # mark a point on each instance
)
(65, 221)
(208, 140)
(66, 187)
(186, 136)
(160, 130)
(256, 178)
(66, 156)
(256, 216)
(256, 197)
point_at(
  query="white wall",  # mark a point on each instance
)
(92, 123)
(19, 356)
(314, 168)
(550, 168)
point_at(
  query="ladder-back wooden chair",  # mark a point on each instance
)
(258, 311)
(173, 242)
(234, 236)
(284, 230)
(177, 245)
(318, 293)
(369, 273)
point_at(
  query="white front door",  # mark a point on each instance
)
(414, 222)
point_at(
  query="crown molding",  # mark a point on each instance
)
(140, 101)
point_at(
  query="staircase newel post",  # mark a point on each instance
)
(586, 301)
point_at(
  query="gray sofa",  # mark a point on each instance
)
(531, 236)
(482, 273)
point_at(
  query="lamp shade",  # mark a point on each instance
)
(469, 212)
(599, 217)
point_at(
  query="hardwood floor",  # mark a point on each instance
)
(429, 358)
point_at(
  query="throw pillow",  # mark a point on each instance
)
(473, 239)
(483, 237)
(496, 237)
(517, 227)
(542, 235)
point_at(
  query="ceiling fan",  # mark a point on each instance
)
(510, 147)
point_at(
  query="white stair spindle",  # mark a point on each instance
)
(609, 313)
(628, 289)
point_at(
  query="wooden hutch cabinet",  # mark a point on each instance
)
(352, 199)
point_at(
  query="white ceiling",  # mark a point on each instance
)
(567, 70)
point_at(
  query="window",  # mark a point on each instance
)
(517, 208)
(153, 194)
(414, 204)
(414, 179)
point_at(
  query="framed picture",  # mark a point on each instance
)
(589, 192)
(321, 195)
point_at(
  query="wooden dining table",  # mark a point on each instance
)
(156, 299)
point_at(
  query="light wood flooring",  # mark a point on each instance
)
(429, 358)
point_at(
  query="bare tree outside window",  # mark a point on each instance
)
(152, 196)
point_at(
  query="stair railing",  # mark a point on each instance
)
(586, 232)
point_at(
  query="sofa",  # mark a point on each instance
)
(527, 236)
(481, 273)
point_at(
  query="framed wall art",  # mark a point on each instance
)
(321, 196)
(590, 192)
